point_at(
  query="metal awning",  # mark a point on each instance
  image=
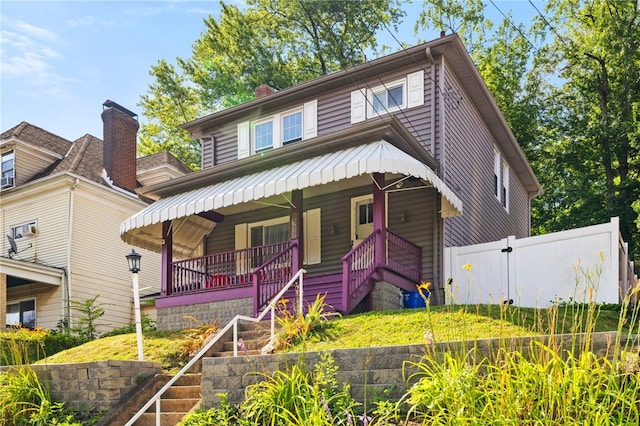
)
(142, 229)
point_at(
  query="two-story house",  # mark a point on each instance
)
(61, 205)
(361, 177)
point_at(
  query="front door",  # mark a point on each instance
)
(361, 218)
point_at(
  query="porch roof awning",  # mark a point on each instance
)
(376, 157)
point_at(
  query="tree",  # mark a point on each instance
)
(594, 51)
(275, 42)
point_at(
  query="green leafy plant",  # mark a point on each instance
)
(296, 328)
(196, 337)
(90, 312)
(297, 397)
(24, 399)
(145, 321)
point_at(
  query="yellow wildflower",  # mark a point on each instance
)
(467, 266)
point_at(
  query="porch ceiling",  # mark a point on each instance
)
(142, 229)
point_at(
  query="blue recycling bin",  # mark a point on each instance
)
(412, 299)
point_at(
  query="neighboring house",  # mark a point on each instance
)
(61, 204)
(361, 177)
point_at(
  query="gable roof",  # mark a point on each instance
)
(82, 157)
(38, 137)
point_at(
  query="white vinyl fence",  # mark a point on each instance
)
(578, 264)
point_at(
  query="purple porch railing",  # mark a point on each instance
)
(404, 257)
(220, 270)
(358, 266)
(270, 277)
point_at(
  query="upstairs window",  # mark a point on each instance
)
(387, 98)
(368, 102)
(7, 176)
(496, 173)
(292, 127)
(505, 186)
(263, 136)
(277, 130)
(24, 230)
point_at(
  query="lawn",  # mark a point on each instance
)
(379, 328)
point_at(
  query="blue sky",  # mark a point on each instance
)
(60, 60)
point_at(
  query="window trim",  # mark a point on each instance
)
(505, 186)
(289, 113)
(20, 234)
(254, 138)
(263, 223)
(385, 88)
(10, 174)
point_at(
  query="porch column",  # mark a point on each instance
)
(379, 215)
(3, 301)
(167, 258)
(295, 230)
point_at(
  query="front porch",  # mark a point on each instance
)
(382, 256)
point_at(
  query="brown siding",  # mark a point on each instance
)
(469, 172)
(334, 113)
(420, 207)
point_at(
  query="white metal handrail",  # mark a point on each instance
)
(299, 276)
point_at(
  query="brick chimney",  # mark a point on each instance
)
(263, 90)
(120, 129)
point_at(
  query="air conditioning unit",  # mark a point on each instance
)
(29, 230)
(6, 182)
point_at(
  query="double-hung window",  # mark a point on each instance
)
(291, 127)
(278, 130)
(263, 136)
(24, 230)
(7, 167)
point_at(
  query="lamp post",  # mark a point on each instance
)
(134, 266)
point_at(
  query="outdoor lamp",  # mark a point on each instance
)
(133, 259)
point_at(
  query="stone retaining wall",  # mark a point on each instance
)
(174, 318)
(369, 371)
(100, 385)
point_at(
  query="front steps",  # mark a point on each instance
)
(254, 335)
(181, 398)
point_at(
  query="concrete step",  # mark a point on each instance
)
(183, 405)
(166, 419)
(178, 392)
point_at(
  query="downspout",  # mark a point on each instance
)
(66, 301)
(437, 221)
(432, 79)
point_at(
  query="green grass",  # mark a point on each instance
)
(447, 323)
(380, 328)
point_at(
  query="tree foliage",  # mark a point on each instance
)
(592, 135)
(572, 103)
(275, 42)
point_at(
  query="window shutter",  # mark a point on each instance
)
(244, 140)
(241, 243)
(312, 252)
(310, 119)
(415, 89)
(358, 106)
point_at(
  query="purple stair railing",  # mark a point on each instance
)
(270, 277)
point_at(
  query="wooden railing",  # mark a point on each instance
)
(270, 277)
(357, 267)
(360, 264)
(221, 270)
(404, 257)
